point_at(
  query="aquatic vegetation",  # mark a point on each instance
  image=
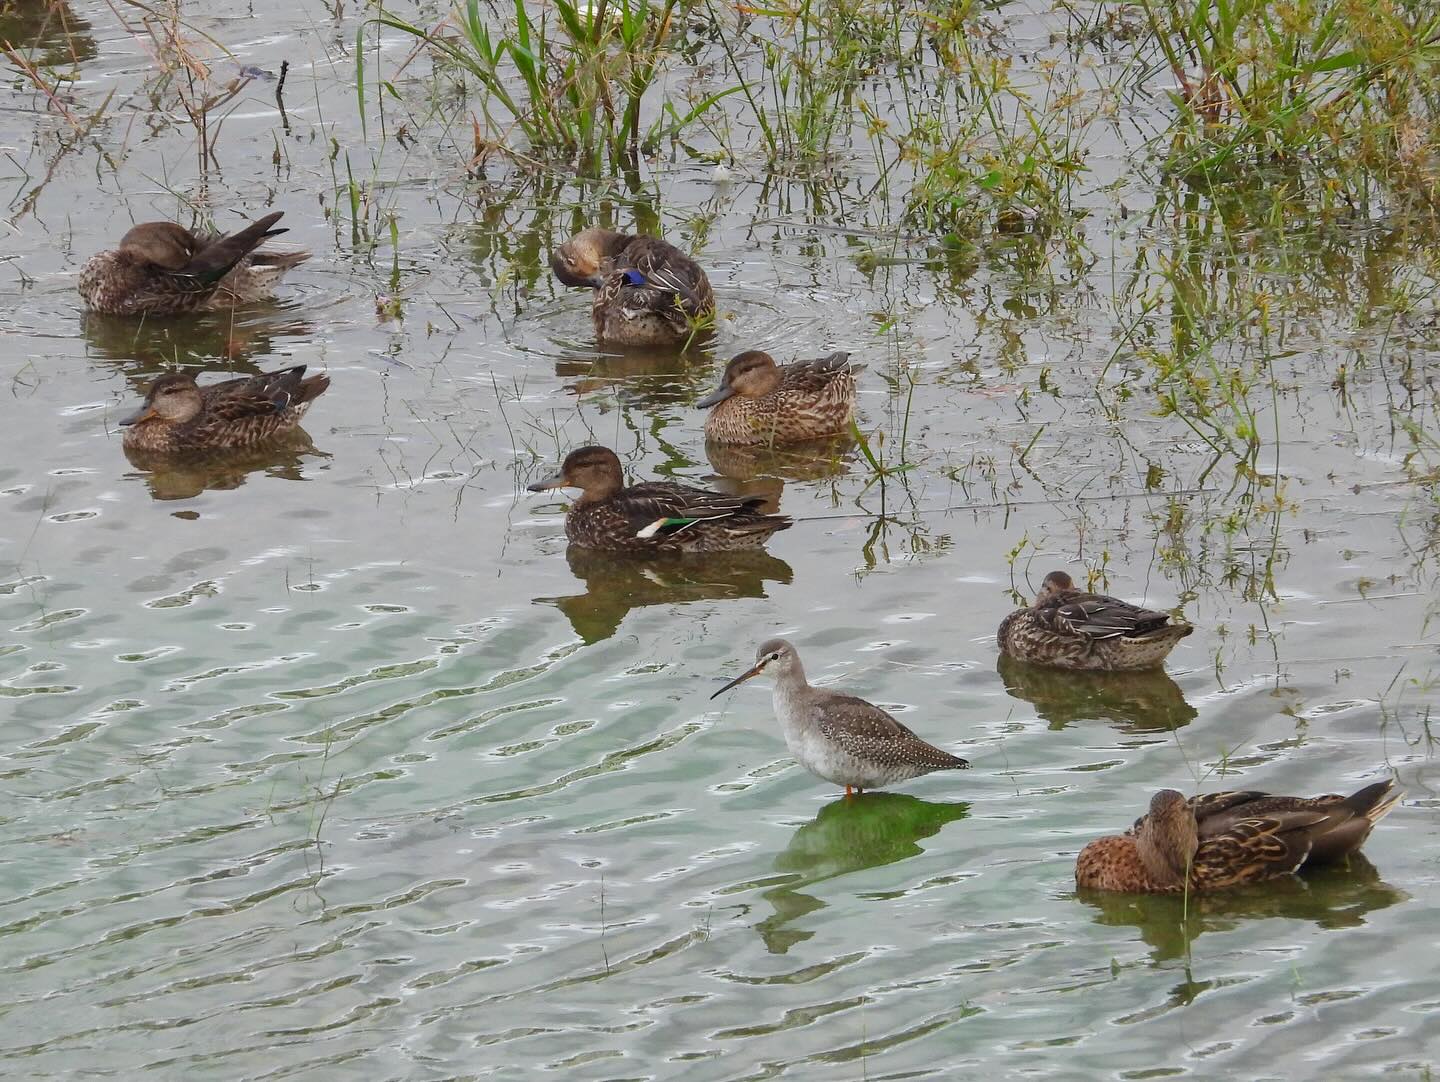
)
(1331, 88)
(571, 83)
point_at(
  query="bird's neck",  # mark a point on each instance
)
(790, 681)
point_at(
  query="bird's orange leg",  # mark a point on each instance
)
(847, 792)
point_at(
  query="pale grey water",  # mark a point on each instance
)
(337, 769)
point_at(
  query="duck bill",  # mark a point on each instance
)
(755, 671)
(715, 397)
(144, 413)
(555, 480)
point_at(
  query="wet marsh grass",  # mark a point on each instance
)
(571, 83)
(940, 137)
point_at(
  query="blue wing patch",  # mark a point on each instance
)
(633, 277)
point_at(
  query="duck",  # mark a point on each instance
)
(1222, 840)
(648, 293)
(164, 269)
(180, 417)
(759, 401)
(1068, 628)
(657, 517)
(840, 738)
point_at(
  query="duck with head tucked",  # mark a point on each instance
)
(180, 418)
(163, 269)
(1223, 840)
(657, 517)
(760, 402)
(1068, 628)
(648, 293)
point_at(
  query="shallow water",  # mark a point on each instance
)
(338, 765)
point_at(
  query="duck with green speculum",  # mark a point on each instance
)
(647, 293)
(760, 402)
(657, 517)
(1222, 840)
(163, 269)
(179, 417)
(1068, 628)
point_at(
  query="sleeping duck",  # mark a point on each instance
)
(648, 293)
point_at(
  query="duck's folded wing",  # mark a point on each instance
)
(672, 279)
(254, 396)
(679, 505)
(214, 260)
(1099, 617)
(1256, 848)
(816, 376)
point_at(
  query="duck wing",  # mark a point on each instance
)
(651, 275)
(662, 507)
(813, 377)
(1096, 616)
(216, 257)
(1335, 824)
(1256, 848)
(265, 395)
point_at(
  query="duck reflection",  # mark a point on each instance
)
(47, 30)
(637, 377)
(150, 347)
(171, 478)
(810, 460)
(1332, 896)
(615, 584)
(1139, 702)
(849, 834)
(765, 489)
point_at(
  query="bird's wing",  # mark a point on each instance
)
(1256, 848)
(1099, 617)
(643, 505)
(254, 396)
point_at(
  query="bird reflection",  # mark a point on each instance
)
(848, 835)
(637, 377)
(766, 489)
(172, 478)
(1333, 896)
(48, 32)
(151, 347)
(1137, 701)
(615, 584)
(810, 460)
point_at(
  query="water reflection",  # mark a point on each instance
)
(150, 347)
(615, 584)
(865, 831)
(637, 377)
(50, 33)
(810, 460)
(171, 478)
(1333, 896)
(1136, 701)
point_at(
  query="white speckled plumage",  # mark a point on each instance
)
(838, 737)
